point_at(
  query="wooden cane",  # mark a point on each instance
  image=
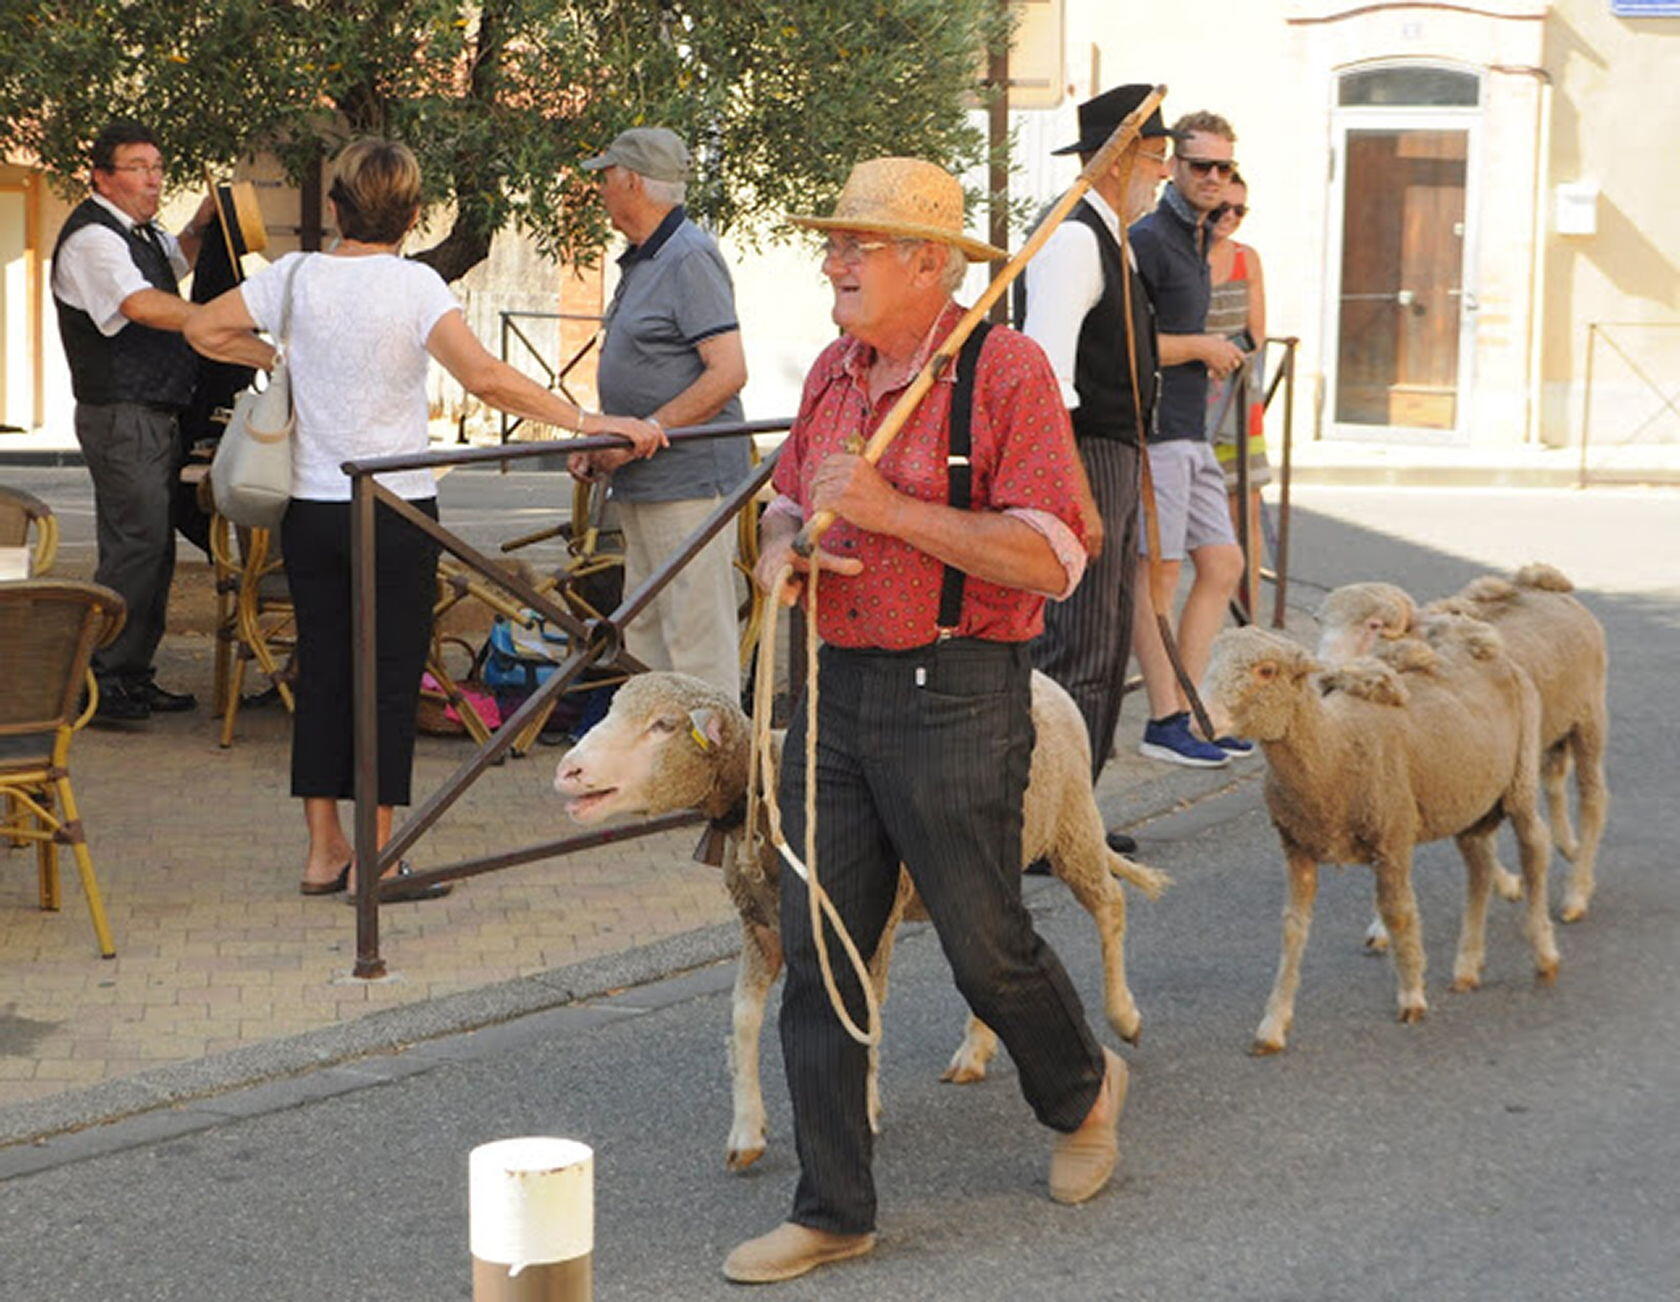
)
(1159, 597)
(1123, 135)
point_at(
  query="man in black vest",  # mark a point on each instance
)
(115, 283)
(1073, 302)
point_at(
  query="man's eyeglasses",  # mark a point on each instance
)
(1202, 166)
(139, 169)
(1219, 213)
(849, 252)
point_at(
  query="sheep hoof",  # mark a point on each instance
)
(739, 1159)
(1376, 938)
(1129, 1029)
(1573, 910)
(1545, 972)
(1507, 885)
(1464, 984)
(1413, 1013)
(963, 1073)
(1264, 1048)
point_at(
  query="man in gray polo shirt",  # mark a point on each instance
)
(671, 354)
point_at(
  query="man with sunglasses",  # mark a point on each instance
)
(116, 284)
(1171, 248)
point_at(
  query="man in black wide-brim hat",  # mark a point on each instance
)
(1073, 302)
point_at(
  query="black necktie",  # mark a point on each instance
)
(146, 233)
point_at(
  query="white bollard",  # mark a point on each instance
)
(531, 1218)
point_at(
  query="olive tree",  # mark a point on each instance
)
(501, 99)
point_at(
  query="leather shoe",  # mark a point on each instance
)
(118, 703)
(1120, 843)
(162, 701)
(1082, 1162)
(790, 1250)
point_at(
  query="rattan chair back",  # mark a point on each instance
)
(49, 629)
(27, 521)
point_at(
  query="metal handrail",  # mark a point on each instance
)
(1600, 329)
(589, 641)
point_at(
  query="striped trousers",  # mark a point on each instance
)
(922, 757)
(1088, 637)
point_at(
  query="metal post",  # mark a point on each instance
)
(364, 706)
(1586, 404)
(997, 142)
(1239, 382)
(1282, 589)
(531, 1220)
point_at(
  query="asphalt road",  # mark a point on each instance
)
(1523, 1141)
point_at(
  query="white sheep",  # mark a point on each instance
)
(1561, 646)
(1364, 763)
(672, 742)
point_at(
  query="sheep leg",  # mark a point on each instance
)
(1274, 1027)
(755, 973)
(1376, 936)
(1554, 777)
(1477, 849)
(1534, 846)
(1587, 746)
(1088, 876)
(1398, 907)
(968, 1064)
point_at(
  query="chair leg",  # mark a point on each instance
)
(236, 686)
(46, 868)
(84, 866)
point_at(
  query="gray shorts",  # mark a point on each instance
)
(1190, 498)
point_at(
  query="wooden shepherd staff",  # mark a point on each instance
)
(1124, 134)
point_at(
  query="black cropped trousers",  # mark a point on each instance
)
(315, 544)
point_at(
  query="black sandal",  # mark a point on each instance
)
(399, 891)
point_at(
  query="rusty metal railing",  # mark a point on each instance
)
(589, 641)
(554, 377)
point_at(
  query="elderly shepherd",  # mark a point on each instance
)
(925, 612)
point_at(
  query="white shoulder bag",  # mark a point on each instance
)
(251, 473)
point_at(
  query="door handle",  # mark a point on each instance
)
(1405, 297)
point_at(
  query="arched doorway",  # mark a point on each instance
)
(1402, 307)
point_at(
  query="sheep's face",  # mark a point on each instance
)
(1253, 682)
(655, 752)
(1357, 617)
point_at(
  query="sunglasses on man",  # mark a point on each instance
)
(1202, 166)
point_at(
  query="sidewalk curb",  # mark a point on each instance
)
(185, 1096)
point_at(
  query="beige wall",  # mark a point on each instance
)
(1616, 115)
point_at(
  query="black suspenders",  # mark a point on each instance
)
(958, 470)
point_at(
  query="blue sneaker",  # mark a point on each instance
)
(1169, 739)
(1235, 747)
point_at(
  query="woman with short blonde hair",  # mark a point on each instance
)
(364, 324)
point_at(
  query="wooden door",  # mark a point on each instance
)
(1402, 274)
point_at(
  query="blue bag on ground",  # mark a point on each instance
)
(519, 658)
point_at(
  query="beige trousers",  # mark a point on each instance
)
(691, 626)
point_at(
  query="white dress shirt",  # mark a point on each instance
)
(1064, 282)
(95, 270)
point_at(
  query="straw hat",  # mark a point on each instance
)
(241, 217)
(907, 197)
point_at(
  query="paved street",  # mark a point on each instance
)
(1522, 1142)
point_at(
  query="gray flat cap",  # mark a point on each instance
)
(652, 152)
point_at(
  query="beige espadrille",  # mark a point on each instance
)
(1082, 1162)
(790, 1250)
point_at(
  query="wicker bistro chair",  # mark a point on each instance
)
(27, 521)
(49, 630)
(254, 618)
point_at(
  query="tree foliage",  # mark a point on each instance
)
(501, 99)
